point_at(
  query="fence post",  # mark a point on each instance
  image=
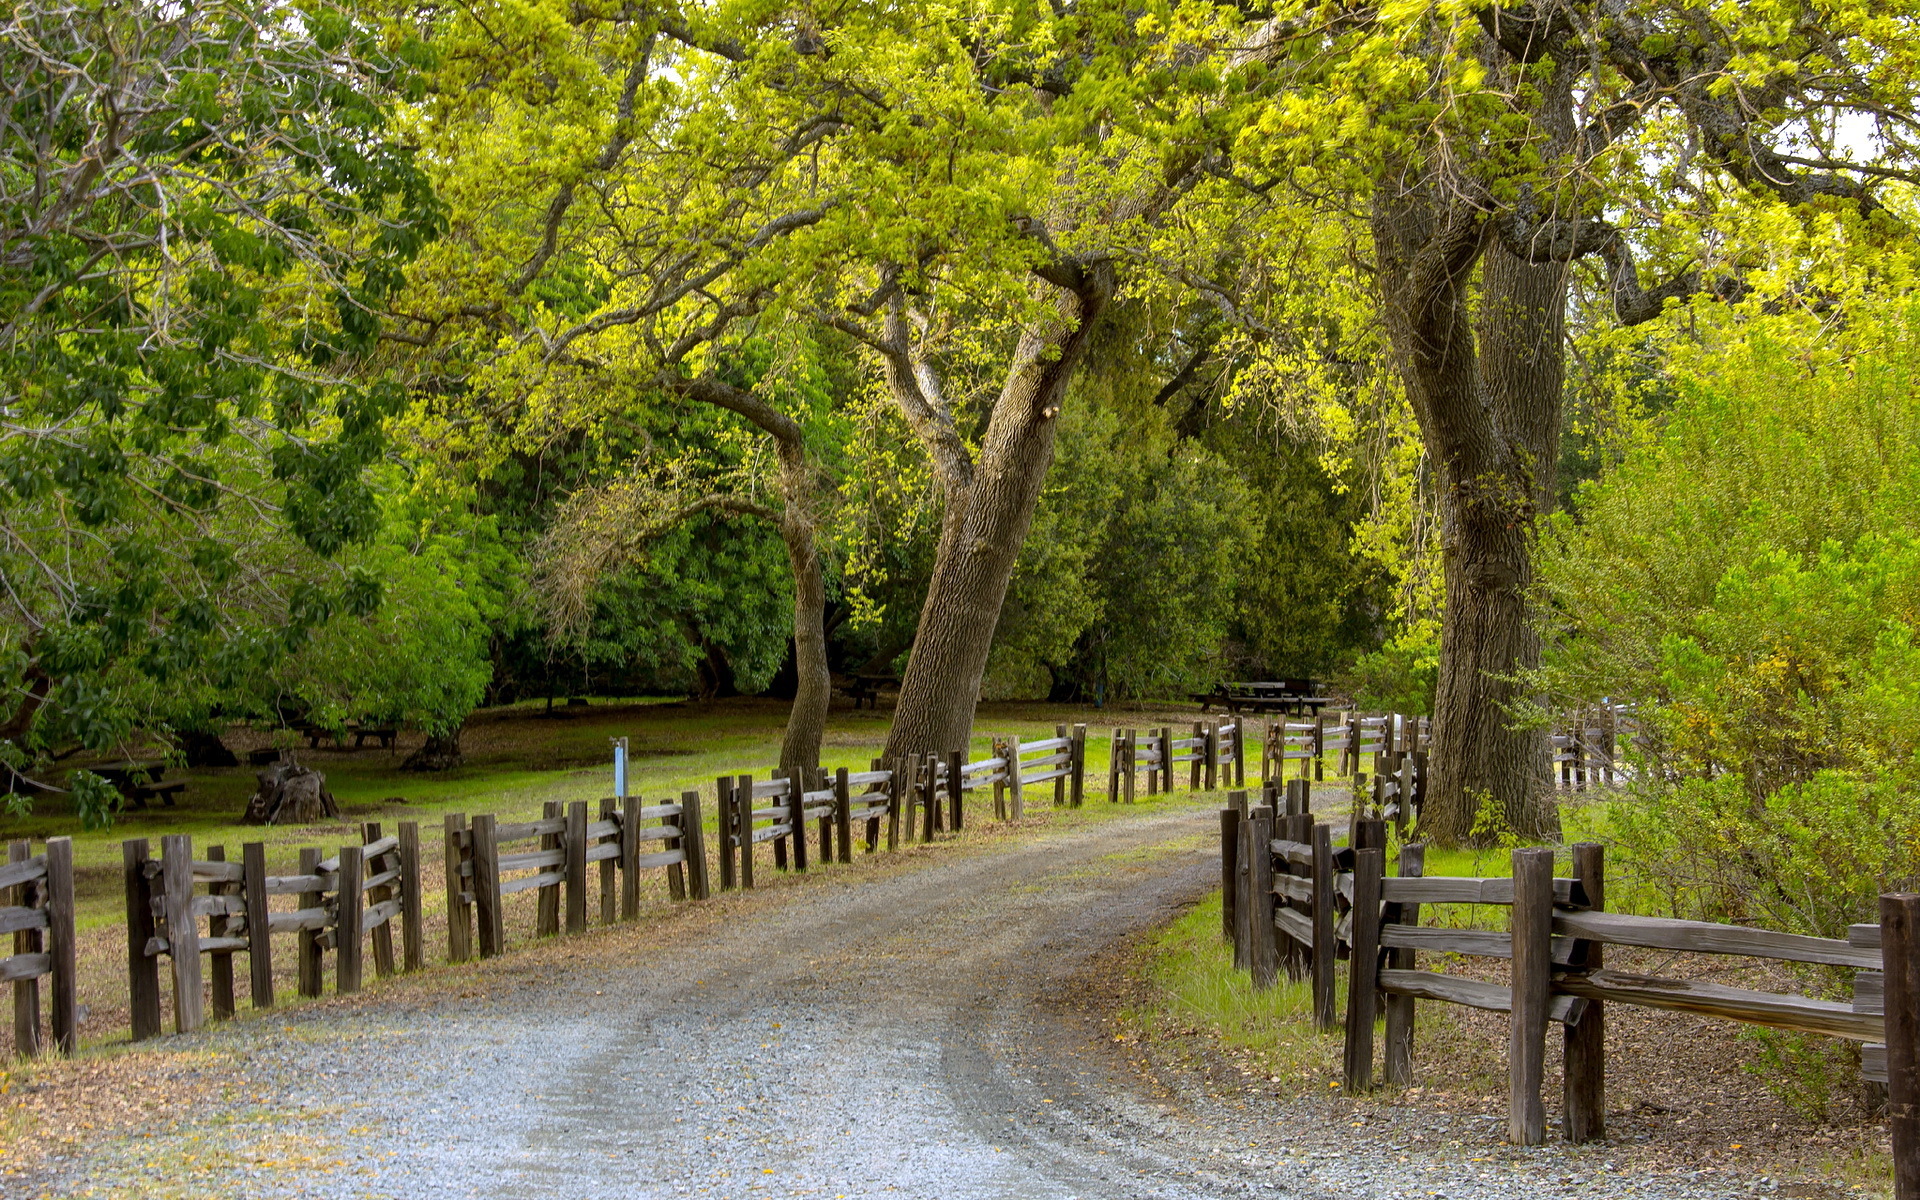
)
(1532, 982)
(1229, 873)
(253, 864)
(1079, 765)
(143, 970)
(576, 866)
(547, 907)
(26, 992)
(459, 911)
(627, 816)
(610, 867)
(694, 838)
(62, 950)
(350, 908)
(1900, 960)
(895, 803)
(843, 813)
(828, 823)
(1363, 969)
(383, 932)
(957, 783)
(486, 885)
(1019, 804)
(797, 816)
(1322, 950)
(999, 751)
(743, 827)
(929, 799)
(1264, 953)
(220, 968)
(780, 843)
(1060, 782)
(183, 934)
(723, 818)
(1413, 863)
(307, 947)
(412, 933)
(1585, 1043)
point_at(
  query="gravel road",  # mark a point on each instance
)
(911, 1035)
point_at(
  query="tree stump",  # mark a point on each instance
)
(290, 794)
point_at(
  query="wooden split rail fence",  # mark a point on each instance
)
(1296, 900)
(41, 919)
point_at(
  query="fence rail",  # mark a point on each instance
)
(1294, 899)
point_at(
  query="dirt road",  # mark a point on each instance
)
(897, 1032)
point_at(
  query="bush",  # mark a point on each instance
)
(1751, 577)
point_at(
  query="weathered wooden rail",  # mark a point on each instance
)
(1295, 899)
(41, 919)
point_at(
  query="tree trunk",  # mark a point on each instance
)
(988, 512)
(1489, 415)
(441, 753)
(807, 718)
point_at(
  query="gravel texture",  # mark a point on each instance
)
(906, 1032)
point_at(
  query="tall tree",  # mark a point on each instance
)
(1496, 149)
(202, 208)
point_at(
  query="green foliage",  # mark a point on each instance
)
(202, 211)
(94, 799)
(1400, 676)
(1750, 575)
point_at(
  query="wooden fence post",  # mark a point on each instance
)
(370, 833)
(1196, 770)
(253, 862)
(1399, 1048)
(1019, 804)
(1229, 872)
(307, 948)
(723, 815)
(459, 911)
(1532, 984)
(143, 969)
(486, 886)
(843, 813)
(63, 1015)
(629, 818)
(220, 968)
(1900, 960)
(930, 802)
(1263, 954)
(350, 909)
(1079, 765)
(547, 908)
(797, 816)
(26, 992)
(610, 867)
(412, 932)
(575, 838)
(695, 840)
(828, 824)
(896, 802)
(1060, 783)
(957, 783)
(1325, 982)
(1584, 1077)
(743, 826)
(183, 932)
(1363, 969)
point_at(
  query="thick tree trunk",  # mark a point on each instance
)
(1489, 414)
(807, 718)
(988, 512)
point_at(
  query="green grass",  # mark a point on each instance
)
(1194, 990)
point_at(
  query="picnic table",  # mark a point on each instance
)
(140, 782)
(866, 688)
(1295, 697)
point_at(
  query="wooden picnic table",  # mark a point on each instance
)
(867, 688)
(140, 782)
(1295, 697)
